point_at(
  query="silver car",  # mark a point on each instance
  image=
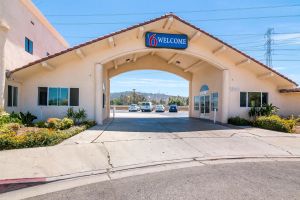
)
(160, 108)
(133, 108)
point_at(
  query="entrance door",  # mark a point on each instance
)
(204, 106)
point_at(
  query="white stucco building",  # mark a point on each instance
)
(25, 36)
(221, 77)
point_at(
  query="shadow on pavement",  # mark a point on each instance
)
(169, 124)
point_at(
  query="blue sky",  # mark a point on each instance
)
(88, 19)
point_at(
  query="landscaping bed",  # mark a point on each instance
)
(266, 118)
(18, 130)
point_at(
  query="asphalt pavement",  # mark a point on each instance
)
(259, 180)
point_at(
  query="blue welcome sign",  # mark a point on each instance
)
(166, 40)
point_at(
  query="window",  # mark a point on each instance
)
(214, 101)
(264, 99)
(58, 96)
(43, 94)
(204, 88)
(74, 96)
(196, 102)
(243, 99)
(28, 45)
(103, 100)
(12, 96)
(256, 99)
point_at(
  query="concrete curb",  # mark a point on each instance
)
(222, 159)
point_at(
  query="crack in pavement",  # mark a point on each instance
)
(277, 147)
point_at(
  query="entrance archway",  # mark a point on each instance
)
(172, 61)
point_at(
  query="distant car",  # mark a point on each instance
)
(173, 108)
(159, 108)
(133, 108)
(147, 107)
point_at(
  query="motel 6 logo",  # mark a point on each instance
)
(153, 40)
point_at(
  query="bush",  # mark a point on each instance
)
(65, 123)
(89, 123)
(27, 118)
(78, 116)
(60, 124)
(53, 123)
(38, 138)
(41, 124)
(6, 118)
(12, 126)
(239, 121)
(265, 110)
(275, 123)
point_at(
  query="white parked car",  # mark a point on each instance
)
(147, 107)
(159, 108)
(133, 108)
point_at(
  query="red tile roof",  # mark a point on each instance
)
(289, 90)
(142, 24)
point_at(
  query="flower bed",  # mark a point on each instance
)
(18, 130)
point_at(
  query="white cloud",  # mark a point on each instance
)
(293, 38)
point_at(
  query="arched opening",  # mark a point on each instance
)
(130, 92)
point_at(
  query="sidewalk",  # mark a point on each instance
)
(101, 151)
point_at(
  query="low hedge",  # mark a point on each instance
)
(275, 123)
(38, 138)
(238, 121)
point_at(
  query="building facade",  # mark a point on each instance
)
(25, 36)
(223, 81)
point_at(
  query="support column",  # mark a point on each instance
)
(2, 65)
(225, 96)
(108, 98)
(190, 97)
(99, 93)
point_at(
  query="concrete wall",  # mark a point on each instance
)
(211, 76)
(19, 18)
(22, 19)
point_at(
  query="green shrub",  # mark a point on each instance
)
(6, 118)
(238, 121)
(37, 138)
(41, 124)
(53, 123)
(89, 123)
(65, 123)
(12, 126)
(27, 118)
(275, 123)
(78, 116)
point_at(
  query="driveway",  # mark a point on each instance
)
(134, 140)
(137, 139)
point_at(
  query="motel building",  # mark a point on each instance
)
(222, 80)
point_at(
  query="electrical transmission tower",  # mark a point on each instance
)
(268, 46)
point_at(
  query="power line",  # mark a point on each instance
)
(195, 20)
(178, 11)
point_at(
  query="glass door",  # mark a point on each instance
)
(204, 106)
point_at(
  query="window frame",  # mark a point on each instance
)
(247, 99)
(58, 96)
(197, 97)
(28, 45)
(14, 96)
(212, 102)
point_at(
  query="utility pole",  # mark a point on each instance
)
(134, 95)
(268, 46)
